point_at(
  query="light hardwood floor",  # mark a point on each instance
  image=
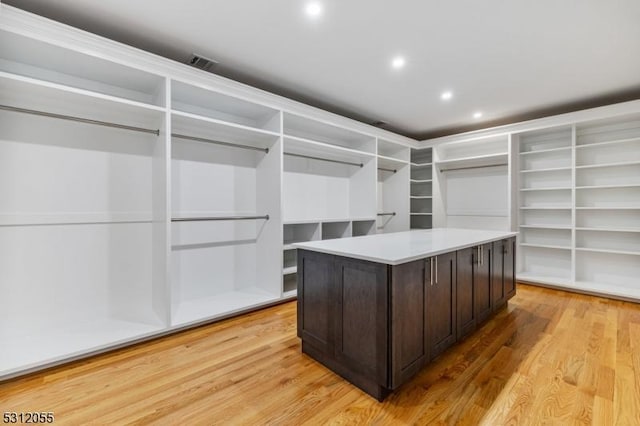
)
(550, 358)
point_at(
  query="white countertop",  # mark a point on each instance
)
(401, 247)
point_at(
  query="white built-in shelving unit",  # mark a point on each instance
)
(139, 196)
(471, 183)
(421, 189)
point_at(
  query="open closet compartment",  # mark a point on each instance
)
(226, 220)
(421, 188)
(393, 188)
(83, 206)
(472, 183)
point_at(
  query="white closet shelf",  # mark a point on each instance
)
(610, 208)
(546, 246)
(551, 169)
(300, 146)
(53, 345)
(390, 163)
(545, 208)
(543, 279)
(545, 151)
(604, 289)
(28, 93)
(609, 186)
(208, 308)
(557, 227)
(557, 188)
(421, 214)
(636, 230)
(290, 270)
(314, 130)
(289, 245)
(421, 180)
(610, 251)
(290, 294)
(605, 143)
(327, 220)
(199, 126)
(421, 197)
(499, 159)
(616, 164)
(421, 164)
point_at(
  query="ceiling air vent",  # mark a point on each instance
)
(201, 62)
(379, 123)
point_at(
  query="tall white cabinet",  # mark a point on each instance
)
(139, 196)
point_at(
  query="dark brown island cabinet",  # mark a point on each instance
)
(378, 324)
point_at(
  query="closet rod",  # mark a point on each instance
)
(387, 170)
(202, 219)
(387, 214)
(232, 145)
(323, 159)
(473, 167)
(80, 119)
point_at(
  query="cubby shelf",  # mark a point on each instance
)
(420, 180)
(556, 227)
(290, 270)
(609, 186)
(607, 143)
(610, 208)
(421, 214)
(616, 164)
(633, 230)
(421, 164)
(557, 188)
(546, 151)
(546, 246)
(599, 250)
(499, 159)
(550, 169)
(546, 208)
(421, 197)
(544, 279)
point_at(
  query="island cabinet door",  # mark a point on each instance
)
(361, 320)
(441, 302)
(466, 288)
(409, 335)
(498, 295)
(482, 282)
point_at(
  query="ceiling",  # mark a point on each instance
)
(510, 60)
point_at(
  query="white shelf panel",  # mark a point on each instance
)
(545, 246)
(422, 197)
(393, 150)
(543, 279)
(607, 289)
(290, 270)
(421, 164)
(608, 186)
(598, 250)
(28, 93)
(607, 143)
(311, 148)
(53, 345)
(288, 246)
(551, 169)
(421, 180)
(290, 294)
(299, 127)
(558, 188)
(637, 230)
(421, 214)
(616, 164)
(545, 151)
(209, 128)
(558, 227)
(610, 208)
(390, 163)
(327, 220)
(545, 208)
(500, 159)
(196, 310)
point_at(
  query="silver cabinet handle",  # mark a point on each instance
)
(431, 266)
(436, 261)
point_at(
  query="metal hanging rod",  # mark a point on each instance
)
(387, 170)
(80, 120)
(232, 145)
(323, 159)
(387, 214)
(203, 219)
(473, 167)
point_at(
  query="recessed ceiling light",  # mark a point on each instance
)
(477, 114)
(313, 9)
(398, 62)
(446, 95)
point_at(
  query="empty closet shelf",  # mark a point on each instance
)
(211, 218)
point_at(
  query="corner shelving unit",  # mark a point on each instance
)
(421, 189)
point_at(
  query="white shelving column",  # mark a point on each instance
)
(545, 239)
(393, 187)
(608, 206)
(226, 162)
(421, 192)
(81, 211)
